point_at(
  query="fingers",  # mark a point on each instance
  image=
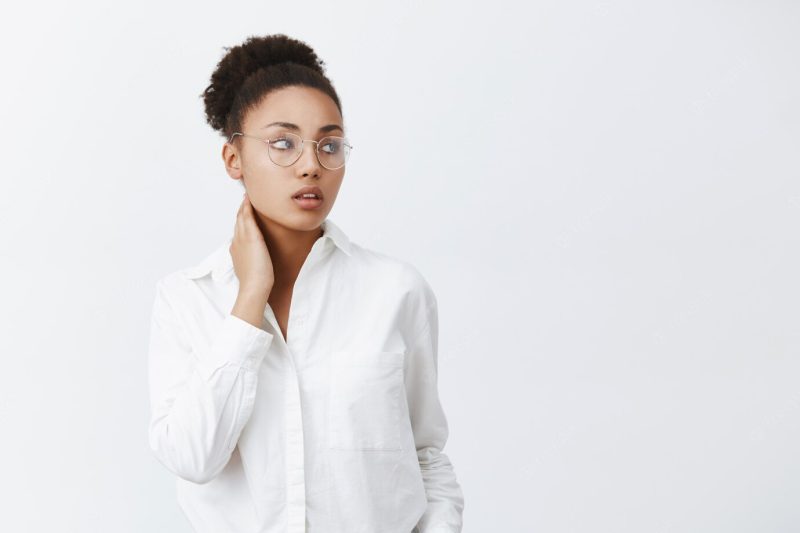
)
(247, 210)
(245, 221)
(238, 230)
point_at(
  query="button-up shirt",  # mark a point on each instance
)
(337, 428)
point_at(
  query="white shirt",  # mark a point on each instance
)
(336, 429)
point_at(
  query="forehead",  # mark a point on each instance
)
(308, 108)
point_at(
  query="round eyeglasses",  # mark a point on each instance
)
(286, 149)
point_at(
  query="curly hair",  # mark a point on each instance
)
(253, 69)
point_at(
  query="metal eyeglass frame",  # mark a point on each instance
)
(299, 152)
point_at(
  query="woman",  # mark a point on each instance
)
(293, 372)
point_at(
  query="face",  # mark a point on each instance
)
(271, 187)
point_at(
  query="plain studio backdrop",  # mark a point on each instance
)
(603, 195)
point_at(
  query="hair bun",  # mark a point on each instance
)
(263, 51)
(243, 60)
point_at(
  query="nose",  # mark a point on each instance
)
(308, 161)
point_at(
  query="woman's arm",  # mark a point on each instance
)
(429, 424)
(200, 402)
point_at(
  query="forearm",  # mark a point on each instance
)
(444, 494)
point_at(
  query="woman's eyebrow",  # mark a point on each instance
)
(289, 125)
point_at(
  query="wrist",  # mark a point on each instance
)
(255, 292)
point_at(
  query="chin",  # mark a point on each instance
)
(304, 220)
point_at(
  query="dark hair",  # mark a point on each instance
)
(253, 69)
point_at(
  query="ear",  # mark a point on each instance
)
(232, 160)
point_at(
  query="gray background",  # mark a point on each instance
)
(604, 196)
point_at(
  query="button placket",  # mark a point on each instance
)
(295, 441)
(295, 451)
(296, 345)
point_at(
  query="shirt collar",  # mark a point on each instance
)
(220, 263)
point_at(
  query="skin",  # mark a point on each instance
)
(273, 235)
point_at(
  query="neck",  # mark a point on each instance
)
(288, 248)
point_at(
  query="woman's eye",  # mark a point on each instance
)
(281, 144)
(331, 147)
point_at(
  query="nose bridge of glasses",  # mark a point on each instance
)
(314, 147)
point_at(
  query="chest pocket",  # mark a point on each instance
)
(365, 400)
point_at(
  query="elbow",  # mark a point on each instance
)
(185, 461)
(197, 476)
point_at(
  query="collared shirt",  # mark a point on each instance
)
(337, 428)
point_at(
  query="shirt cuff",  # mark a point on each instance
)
(239, 343)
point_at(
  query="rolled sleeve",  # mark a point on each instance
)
(238, 343)
(201, 396)
(429, 424)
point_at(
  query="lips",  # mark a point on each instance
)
(308, 190)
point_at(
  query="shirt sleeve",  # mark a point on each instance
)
(200, 402)
(429, 424)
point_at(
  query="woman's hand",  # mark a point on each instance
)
(251, 259)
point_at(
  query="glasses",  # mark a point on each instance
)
(286, 149)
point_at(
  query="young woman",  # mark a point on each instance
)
(293, 372)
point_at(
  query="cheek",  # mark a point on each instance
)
(257, 164)
(267, 190)
(337, 184)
